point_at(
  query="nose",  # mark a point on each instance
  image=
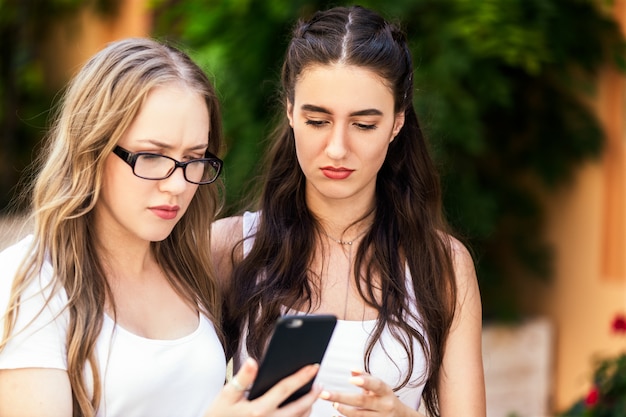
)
(337, 146)
(175, 183)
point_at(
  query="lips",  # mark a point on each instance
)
(336, 173)
(165, 212)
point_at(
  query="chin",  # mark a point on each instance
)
(158, 237)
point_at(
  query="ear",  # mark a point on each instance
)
(290, 113)
(397, 125)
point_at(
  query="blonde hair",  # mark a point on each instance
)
(98, 106)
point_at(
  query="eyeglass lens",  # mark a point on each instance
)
(158, 166)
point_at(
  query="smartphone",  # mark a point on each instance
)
(297, 341)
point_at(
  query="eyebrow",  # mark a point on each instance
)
(159, 144)
(318, 109)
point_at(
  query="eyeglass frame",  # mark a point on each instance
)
(131, 159)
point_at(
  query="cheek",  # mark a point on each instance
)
(306, 147)
(112, 181)
(186, 197)
(190, 193)
(376, 156)
(121, 189)
(118, 191)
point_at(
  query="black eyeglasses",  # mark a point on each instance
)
(152, 166)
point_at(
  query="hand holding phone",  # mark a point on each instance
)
(298, 340)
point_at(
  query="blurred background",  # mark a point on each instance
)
(523, 103)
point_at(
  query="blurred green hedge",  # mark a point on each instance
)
(500, 86)
(500, 90)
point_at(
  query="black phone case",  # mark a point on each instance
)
(297, 341)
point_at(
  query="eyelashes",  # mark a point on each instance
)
(317, 124)
(363, 126)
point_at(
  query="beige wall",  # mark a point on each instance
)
(72, 41)
(586, 224)
(580, 301)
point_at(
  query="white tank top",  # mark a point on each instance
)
(346, 352)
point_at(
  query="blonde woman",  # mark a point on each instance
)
(109, 308)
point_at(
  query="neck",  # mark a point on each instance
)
(347, 232)
(341, 215)
(345, 242)
(125, 257)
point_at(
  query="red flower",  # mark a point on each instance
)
(619, 324)
(592, 397)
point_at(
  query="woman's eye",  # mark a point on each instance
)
(364, 126)
(315, 123)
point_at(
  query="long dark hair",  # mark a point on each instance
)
(408, 227)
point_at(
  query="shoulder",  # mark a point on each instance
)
(468, 293)
(461, 257)
(39, 332)
(226, 232)
(15, 253)
(464, 270)
(229, 231)
(10, 260)
(41, 288)
(225, 235)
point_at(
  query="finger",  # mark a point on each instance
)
(288, 385)
(358, 406)
(243, 379)
(302, 406)
(369, 383)
(237, 385)
(375, 394)
(336, 398)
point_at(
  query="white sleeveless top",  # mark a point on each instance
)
(346, 352)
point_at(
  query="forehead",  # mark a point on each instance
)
(171, 114)
(342, 85)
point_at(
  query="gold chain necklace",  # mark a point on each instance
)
(349, 244)
(345, 242)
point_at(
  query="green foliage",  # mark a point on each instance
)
(500, 90)
(501, 87)
(24, 97)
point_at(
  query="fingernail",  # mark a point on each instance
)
(335, 405)
(324, 395)
(356, 380)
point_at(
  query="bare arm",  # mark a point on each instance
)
(462, 385)
(35, 392)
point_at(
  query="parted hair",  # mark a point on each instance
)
(408, 229)
(97, 107)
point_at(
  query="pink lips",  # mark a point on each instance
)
(165, 212)
(334, 173)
